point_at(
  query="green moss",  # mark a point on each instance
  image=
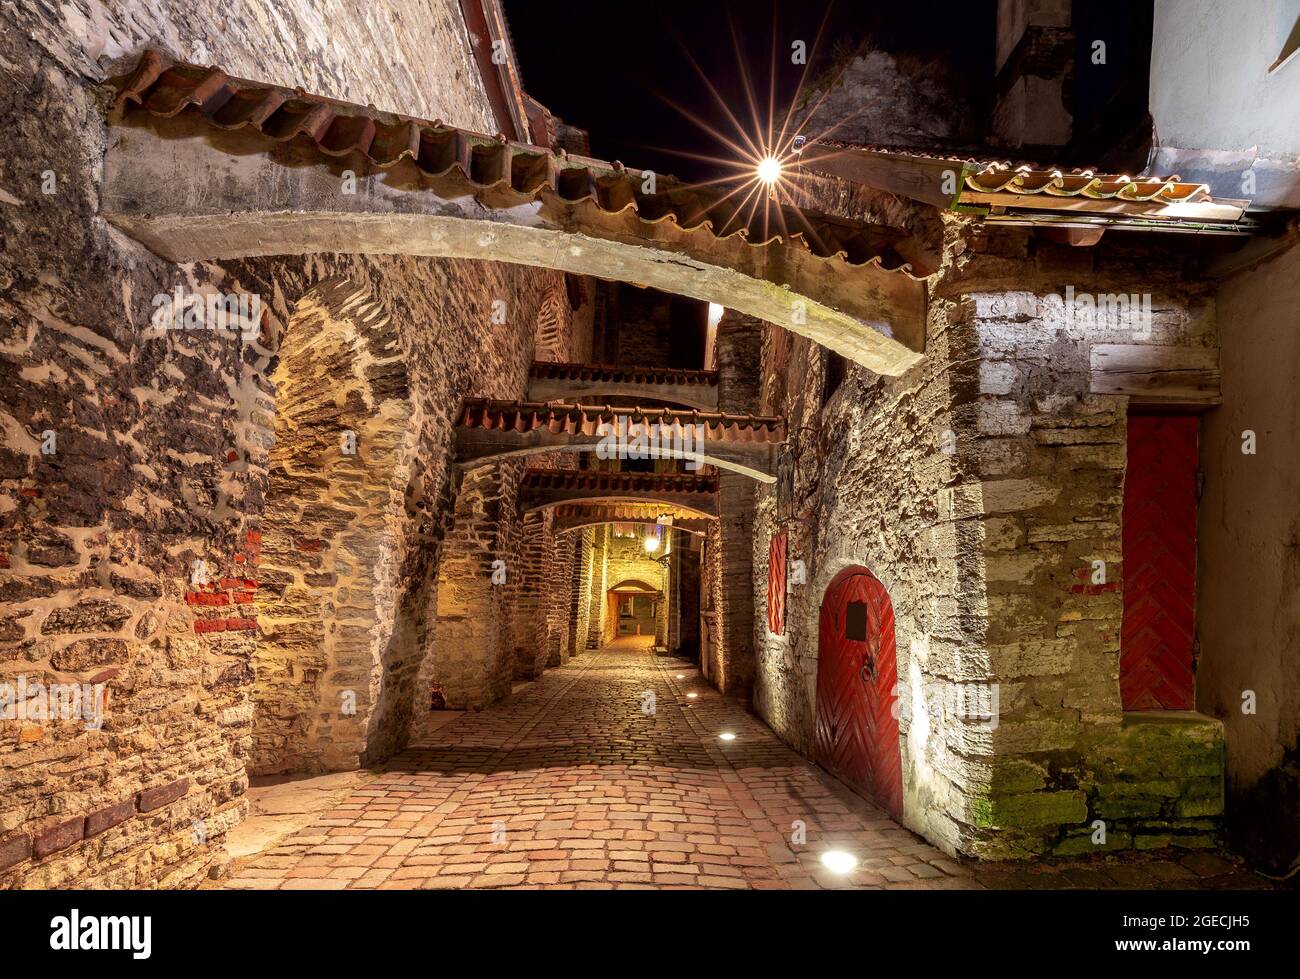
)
(1031, 809)
(1014, 776)
(1081, 844)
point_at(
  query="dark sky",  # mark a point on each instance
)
(598, 65)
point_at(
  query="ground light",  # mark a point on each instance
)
(681, 676)
(692, 695)
(839, 862)
(727, 736)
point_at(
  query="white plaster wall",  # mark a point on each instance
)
(1210, 83)
(1249, 573)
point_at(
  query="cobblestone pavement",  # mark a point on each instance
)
(571, 784)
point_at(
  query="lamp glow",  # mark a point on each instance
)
(727, 736)
(839, 862)
(769, 170)
(651, 544)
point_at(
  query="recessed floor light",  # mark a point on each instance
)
(681, 676)
(839, 862)
(727, 736)
(692, 695)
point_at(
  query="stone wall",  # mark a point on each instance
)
(133, 552)
(979, 488)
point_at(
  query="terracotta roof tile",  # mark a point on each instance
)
(612, 483)
(1001, 178)
(474, 163)
(1033, 183)
(618, 374)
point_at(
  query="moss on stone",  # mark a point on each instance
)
(1080, 844)
(1031, 809)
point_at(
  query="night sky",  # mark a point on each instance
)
(598, 65)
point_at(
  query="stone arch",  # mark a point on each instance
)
(468, 661)
(723, 455)
(335, 629)
(426, 189)
(634, 584)
(667, 505)
(577, 528)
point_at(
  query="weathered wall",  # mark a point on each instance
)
(979, 488)
(1210, 87)
(412, 58)
(626, 560)
(880, 97)
(1249, 607)
(162, 449)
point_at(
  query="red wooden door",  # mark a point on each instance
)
(776, 584)
(1159, 540)
(856, 735)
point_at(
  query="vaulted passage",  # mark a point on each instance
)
(623, 770)
(565, 524)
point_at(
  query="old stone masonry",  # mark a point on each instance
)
(396, 494)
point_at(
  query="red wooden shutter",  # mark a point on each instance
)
(776, 570)
(1159, 540)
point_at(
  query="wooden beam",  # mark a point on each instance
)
(1182, 210)
(1151, 374)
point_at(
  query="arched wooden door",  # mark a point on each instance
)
(856, 737)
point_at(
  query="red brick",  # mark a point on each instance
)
(241, 625)
(104, 819)
(15, 850)
(206, 598)
(162, 795)
(59, 837)
(209, 625)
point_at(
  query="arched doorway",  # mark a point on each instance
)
(635, 610)
(856, 736)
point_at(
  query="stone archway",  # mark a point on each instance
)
(336, 628)
(288, 173)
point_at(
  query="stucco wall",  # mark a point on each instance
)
(1249, 605)
(1210, 84)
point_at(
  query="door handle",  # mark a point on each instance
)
(868, 671)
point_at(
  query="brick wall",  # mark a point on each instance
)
(177, 432)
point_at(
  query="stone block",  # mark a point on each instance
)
(1031, 809)
(104, 819)
(162, 795)
(95, 615)
(14, 851)
(86, 653)
(58, 837)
